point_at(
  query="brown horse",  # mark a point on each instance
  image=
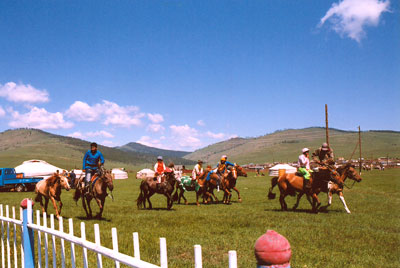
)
(235, 172)
(290, 184)
(148, 187)
(201, 181)
(98, 193)
(50, 188)
(329, 187)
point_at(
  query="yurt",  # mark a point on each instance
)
(119, 173)
(37, 168)
(274, 171)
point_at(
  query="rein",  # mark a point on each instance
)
(350, 186)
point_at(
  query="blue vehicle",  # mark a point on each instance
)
(9, 179)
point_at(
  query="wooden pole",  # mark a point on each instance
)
(326, 124)
(359, 142)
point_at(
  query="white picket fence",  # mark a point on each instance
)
(18, 243)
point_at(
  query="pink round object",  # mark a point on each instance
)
(24, 203)
(272, 248)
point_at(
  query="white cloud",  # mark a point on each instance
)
(201, 123)
(155, 118)
(39, 118)
(77, 135)
(146, 140)
(349, 17)
(2, 112)
(107, 143)
(109, 112)
(185, 137)
(215, 135)
(23, 93)
(101, 133)
(81, 111)
(155, 128)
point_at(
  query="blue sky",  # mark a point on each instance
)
(185, 74)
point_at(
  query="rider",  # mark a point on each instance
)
(323, 155)
(220, 170)
(304, 168)
(91, 164)
(197, 170)
(159, 168)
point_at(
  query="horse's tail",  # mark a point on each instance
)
(140, 199)
(38, 197)
(77, 195)
(274, 182)
(175, 196)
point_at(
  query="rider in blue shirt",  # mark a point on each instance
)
(91, 162)
(220, 170)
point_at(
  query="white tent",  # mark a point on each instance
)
(119, 173)
(274, 171)
(37, 168)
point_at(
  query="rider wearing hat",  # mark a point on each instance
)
(91, 163)
(304, 168)
(197, 170)
(159, 168)
(323, 155)
(220, 170)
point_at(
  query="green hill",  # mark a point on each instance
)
(140, 148)
(20, 145)
(286, 145)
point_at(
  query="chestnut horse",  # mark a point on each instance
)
(99, 192)
(235, 172)
(200, 180)
(50, 188)
(290, 184)
(148, 187)
(345, 171)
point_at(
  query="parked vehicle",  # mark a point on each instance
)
(9, 179)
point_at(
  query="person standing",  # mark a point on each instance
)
(197, 170)
(92, 160)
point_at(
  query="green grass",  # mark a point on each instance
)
(369, 237)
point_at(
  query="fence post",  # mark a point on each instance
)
(163, 253)
(232, 259)
(29, 243)
(198, 262)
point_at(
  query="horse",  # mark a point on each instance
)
(187, 185)
(290, 184)
(235, 172)
(329, 187)
(99, 192)
(148, 187)
(50, 188)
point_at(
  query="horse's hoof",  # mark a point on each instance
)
(198, 204)
(240, 200)
(186, 203)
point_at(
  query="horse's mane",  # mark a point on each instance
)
(342, 168)
(53, 179)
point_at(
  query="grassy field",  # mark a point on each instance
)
(369, 237)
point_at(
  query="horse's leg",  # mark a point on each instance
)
(344, 202)
(100, 203)
(239, 198)
(40, 199)
(90, 209)
(60, 204)
(84, 206)
(46, 204)
(55, 206)
(329, 197)
(148, 195)
(274, 182)
(299, 195)
(316, 203)
(169, 201)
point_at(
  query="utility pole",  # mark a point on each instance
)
(326, 125)
(359, 141)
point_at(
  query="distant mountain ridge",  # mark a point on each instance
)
(140, 148)
(285, 145)
(20, 145)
